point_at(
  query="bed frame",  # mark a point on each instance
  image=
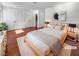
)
(37, 51)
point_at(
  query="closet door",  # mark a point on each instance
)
(29, 19)
(18, 17)
(14, 18)
(10, 18)
(11, 25)
(20, 23)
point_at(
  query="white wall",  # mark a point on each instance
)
(41, 18)
(72, 12)
(20, 18)
(1, 12)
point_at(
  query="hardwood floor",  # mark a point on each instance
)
(12, 47)
(74, 52)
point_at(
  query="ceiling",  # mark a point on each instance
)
(32, 5)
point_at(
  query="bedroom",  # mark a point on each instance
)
(33, 28)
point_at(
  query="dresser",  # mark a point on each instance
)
(3, 41)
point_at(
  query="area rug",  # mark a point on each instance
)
(66, 50)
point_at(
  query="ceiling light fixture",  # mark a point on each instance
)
(34, 2)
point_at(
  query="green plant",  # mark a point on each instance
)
(3, 26)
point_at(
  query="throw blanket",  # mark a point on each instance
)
(51, 41)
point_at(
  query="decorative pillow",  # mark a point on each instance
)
(51, 26)
(58, 27)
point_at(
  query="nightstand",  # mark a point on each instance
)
(72, 33)
(73, 36)
(46, 24)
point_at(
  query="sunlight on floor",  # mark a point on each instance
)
(19, 31)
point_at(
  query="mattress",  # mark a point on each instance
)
(46, 39)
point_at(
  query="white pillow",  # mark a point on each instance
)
(51, 26)
(58, 27)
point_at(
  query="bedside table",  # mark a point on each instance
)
(46, 24)
(73, 36)
(72, 32)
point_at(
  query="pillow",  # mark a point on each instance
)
(51, 26)
(58, 27)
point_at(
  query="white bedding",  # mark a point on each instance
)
(51, 36)
(24, 49)
(53, 32)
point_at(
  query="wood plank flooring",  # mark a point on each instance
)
(12, 47)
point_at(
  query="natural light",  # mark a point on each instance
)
(19, 31)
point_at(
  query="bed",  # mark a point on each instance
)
(44, 40)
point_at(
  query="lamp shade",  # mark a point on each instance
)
(72, 25)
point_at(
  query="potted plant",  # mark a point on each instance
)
(3, 27)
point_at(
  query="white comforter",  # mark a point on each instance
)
(46, 39)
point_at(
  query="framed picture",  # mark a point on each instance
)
(62, 15)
